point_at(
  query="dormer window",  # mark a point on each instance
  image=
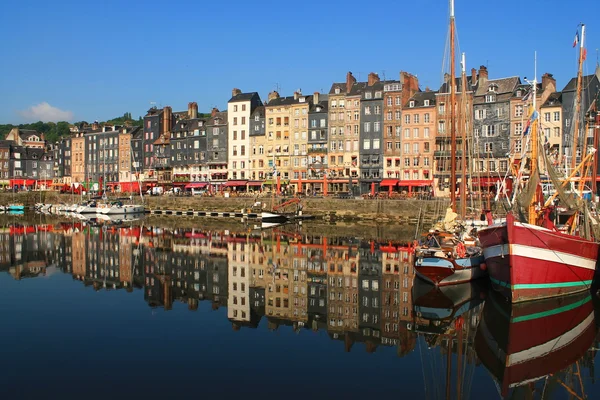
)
(426, 103)
(493, 88)
(318, 109)
(519, 93)
(411, 104)
(257, 118)
(490, 98)
(377, 95)
(368, 95)
(337, 90)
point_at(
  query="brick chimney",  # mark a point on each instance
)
(316, 97)
(373, 79)
(273, 95)
(473, 76)
(548, 79)
(95, 125)
(410, 85)
(168, 119)
(296, 95)
(214, 111)
(192, 110)
(235, 92)
(427, 89)
(483, 74)
(350, 81)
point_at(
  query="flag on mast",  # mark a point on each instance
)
(576, 40)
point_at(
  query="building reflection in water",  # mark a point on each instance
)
(356, 291)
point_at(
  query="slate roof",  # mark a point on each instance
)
(288, 101)
(260, 111)
(154, 111)
(243, 97)
(341, 85)
(34, 153)
(554, 100)
(24, 133)
(222, 115)
(572, 85)
(420, 97)
(186, 125)
(445, 89)
(358, 88)
(504, 91)
(324, 104)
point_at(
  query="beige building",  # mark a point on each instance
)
(299, 139)
(238, 302)
(551, 124)
(78, 158)
(239, 109)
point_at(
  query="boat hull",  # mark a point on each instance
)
(273, 217)
(120, 210)
(441, 271)
(526, 262)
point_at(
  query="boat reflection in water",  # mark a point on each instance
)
(522, 343)
(446, 319)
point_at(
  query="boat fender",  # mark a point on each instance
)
(461, 251)
(483, 267)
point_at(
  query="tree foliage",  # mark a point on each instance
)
(54, 131)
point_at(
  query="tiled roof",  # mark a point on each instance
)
(554, 100)
(243, 97)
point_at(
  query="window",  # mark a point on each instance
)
(492, 165)
(407, 119)
(416, 133)
(519, 128)
(407, 148)
(556, 132)
(489, 130)
(368, 95)
(556, 116)
(416, 148)
(376, 126)
(488, 147)
(503, 165)
(426, 118)
(480, 114)
(406, 133)
(442, 108)
(367, 126)
(377, 110)
(416, 119)
(518, 110)
(426, 133)
(490, 98)
(366, 144)
(235, 119)
(546, 117)
(411, 104)
(375, 144)
(367, 110)
(426, 103)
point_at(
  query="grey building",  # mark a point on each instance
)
(216, 146)
(257, 122)
(102, 151)
(590, 85)
(491, 122)
(369, 293)
(371, 132)
(318, 137)
(137, 148)
(257, 132)
(188, 150)
(153, 128)
(17, 162)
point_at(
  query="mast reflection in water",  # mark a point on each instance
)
(310, 309)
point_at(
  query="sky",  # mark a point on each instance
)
(79, 60)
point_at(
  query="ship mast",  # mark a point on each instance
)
(532, 214)
(452, 85)
(578, 101)
(463, 127)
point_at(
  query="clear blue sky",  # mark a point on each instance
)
(97, 60)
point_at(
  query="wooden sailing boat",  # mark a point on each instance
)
(451, 262)
(528, 257)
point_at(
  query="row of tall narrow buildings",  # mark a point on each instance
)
(385, 134)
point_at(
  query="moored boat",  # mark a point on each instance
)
(527, 262)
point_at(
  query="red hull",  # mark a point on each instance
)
(534, 339)
(526, 262)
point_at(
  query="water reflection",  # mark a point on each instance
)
(356, 291)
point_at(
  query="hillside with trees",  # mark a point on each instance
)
(54, 131)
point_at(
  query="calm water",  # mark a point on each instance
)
(145, 312)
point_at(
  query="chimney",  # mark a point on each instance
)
(410, 86)
(427, 89)
(373, 79)
(296, 94)
(273, 95)
(214, 111)
(235, 92)
(316, 97)
(167, 119)
(350, 80)
(95, 125)
(548, 79)
(473, 76)
(192, 110)
(483, 74)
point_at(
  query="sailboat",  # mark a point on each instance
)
(528, 257)
(451, 262)
(522, 343)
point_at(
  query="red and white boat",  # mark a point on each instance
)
(527, 262)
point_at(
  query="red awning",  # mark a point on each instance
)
(129, 187)
(22, 182)
(487, 181)
(389, 182)
(196, 185)
(415, 183)
(255, 183)
(235, 183)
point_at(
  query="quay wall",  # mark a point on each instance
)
(382, 210)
